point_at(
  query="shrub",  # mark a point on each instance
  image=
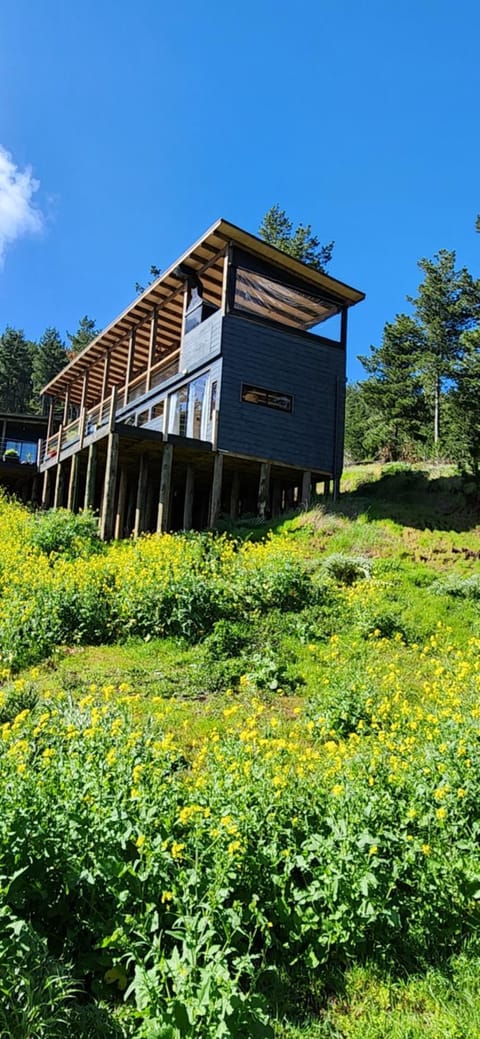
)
(227, 639)
(346, 569)
(458, 587)
(61, 532)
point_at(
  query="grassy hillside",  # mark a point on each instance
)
(240, 775)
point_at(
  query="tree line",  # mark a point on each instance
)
(421, 397)
(27, 366)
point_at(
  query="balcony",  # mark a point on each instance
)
(184, 407)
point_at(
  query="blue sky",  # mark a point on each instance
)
(132, 127)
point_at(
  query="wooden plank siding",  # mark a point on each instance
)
(312, 372)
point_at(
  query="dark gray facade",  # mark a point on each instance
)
(301, 365)
(233, 351)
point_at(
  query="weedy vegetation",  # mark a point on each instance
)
(240, 779)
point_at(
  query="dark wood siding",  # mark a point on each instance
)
(311, 437)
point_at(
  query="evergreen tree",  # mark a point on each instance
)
(394, 393)
(49, 358)
(155, 273)
(464, 407)
(358, 417)
(84, 335)
(447, 305)
(16, 367)
(277, 229)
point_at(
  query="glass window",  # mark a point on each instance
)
(196, 407)
(143, 417)
(178, 412)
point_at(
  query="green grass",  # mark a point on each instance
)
(412, 529)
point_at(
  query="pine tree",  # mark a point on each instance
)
(394, 393)
(464, 407)
(16, 366)
(49, 358)
(447, 305)
(84, 335)
(277, 229)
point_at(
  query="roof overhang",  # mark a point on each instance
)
(165, 296)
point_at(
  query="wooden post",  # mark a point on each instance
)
(130, 364)
(326, 488)
(82, 422)
(106, 519)
(216, 499)
(51, 410)
(225, 281)
(184, 309)
(263, 489)
(58, 494)
(336, 488)
(188, 503)
(234, 493)
(89, 502)
(152, 348)
(122, 496)
(73, 483)
(113, 410)
(141, 491)
(276, 498)
(106, 373)
(46, 489)
(166, 416)
(165, 486)
(306, 488)
(66, 406)
(83, 402)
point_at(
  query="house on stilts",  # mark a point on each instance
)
(209, 394)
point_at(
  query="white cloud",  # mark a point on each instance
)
(18, 214)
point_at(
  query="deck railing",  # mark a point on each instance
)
(97, 417)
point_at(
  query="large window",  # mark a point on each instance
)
(178, 412)
(189, 409)
(196, 407)
(264, 297)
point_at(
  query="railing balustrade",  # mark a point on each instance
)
(98, 416)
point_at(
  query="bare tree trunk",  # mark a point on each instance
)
(436, 414)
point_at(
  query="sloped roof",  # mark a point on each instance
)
(206, 256)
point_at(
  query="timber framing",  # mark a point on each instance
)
(209, 394)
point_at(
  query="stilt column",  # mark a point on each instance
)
(163, 513)
(141, 494)
(58, 495)
(73, 484)
(46, 488)
(106, 519)
(89, 502)
(122, 496)
(306, 489)
(263, 489)
(216, 499)
(188, 503)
